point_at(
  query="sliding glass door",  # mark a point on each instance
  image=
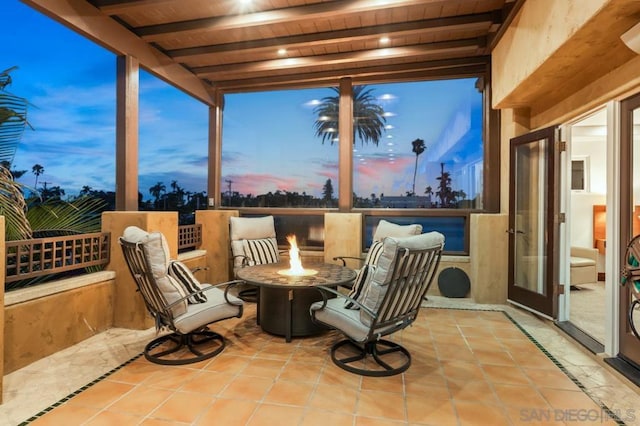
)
(533, 221)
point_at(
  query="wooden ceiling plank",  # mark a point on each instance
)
(465, 22)
(315, 11)
(363, 75)
(373, 54)
(114, 7)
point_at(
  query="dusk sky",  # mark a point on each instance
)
(268, 141)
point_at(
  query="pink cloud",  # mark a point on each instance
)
(257, 184)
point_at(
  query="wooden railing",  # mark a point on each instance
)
(189, 236)
(42, 256)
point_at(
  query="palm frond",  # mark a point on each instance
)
(13, 207)
(13, 118)
(79, 216)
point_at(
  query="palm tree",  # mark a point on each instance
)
(418, 148)
(156, 190)
(13, 207)
(21, 219)
(86, 190)
(368, 117)
(13, 118)
(37, 170)
(444, 192)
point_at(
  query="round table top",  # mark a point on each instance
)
(268, 275)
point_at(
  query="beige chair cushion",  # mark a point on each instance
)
(251, 228)
(577, 262)
(243, 229)
(377, 287)
(388, 229)
(156, 250)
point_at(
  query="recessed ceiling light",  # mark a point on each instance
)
(384, 40)
(282, 52)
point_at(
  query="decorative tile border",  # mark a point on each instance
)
(613, 416)
(82, 389)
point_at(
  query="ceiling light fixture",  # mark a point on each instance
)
(631, 38)
(384, 40)
(282, 52)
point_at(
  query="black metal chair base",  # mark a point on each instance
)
(373, 353)
(194, 342)
(249, 294)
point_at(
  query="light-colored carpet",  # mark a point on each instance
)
(587, 309)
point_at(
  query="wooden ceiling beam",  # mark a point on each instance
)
(113, 7)
(311, 12)
(85, 19)
(426, 26)
(119, 6)
(405, 53)
(366, 75)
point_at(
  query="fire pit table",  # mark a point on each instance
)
(284, 300)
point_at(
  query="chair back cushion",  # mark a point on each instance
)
(374, 253)
(376, 289)
(359, 284)
(244, 229)
(251, 228)
(364, 274)
(261, 251)
(183, 275)
(388, 229)
(156, 251)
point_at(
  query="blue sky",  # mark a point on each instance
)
(269, 141)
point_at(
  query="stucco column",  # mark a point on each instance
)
(129, 309)
(217, 243)
(489, 246)
(343, 236)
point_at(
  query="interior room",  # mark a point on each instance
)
(588, 222)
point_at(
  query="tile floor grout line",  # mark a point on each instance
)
(570, 375)
(612, 415)
(513, 321)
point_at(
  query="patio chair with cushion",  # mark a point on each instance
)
(253, 242)
(176, 301)
(383, 229)
(388, 302)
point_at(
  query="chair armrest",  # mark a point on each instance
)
(245, 260)
(343, 259)
(324, 290)
(228, 284)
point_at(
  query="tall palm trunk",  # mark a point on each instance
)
(415, 171)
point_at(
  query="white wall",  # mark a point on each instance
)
(592, 147)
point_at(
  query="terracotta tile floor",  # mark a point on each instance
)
(469, 367)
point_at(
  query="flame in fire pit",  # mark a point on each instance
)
(295, 263)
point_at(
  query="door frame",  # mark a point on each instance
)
(627, 342)
(543, 304)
